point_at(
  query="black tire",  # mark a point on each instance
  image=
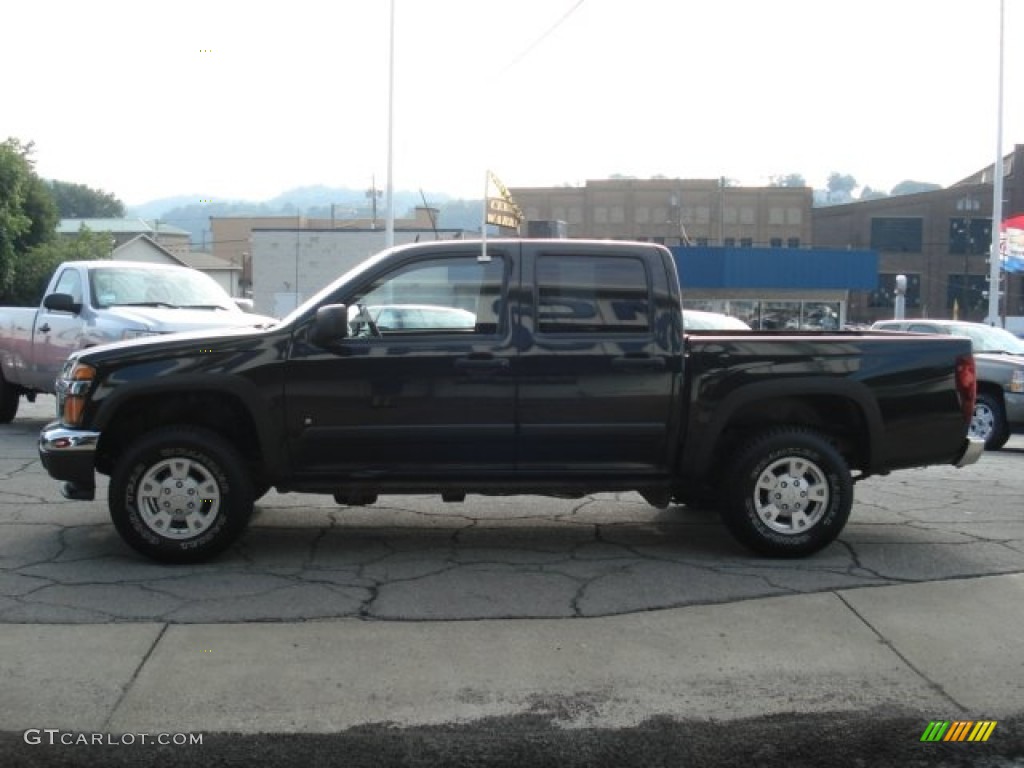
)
(989, 421)
(788, 493)
(209, 495)
(9, 399)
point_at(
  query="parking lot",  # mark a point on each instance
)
(599, 613)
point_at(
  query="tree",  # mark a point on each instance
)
(33, 268)
(869, 193)
(840, 187)
(78, 201)
(28, 215)
(789, 180)
(911, 187)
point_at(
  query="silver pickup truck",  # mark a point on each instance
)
(88, 303)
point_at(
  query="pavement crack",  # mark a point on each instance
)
(138, 669)
(901, 656)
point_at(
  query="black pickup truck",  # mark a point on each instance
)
(555, 367)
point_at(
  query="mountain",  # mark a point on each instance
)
(313, 202)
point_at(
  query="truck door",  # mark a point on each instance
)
(57, 334)
(598, 378)
(423, 387)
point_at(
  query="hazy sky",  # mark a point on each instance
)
(246, 99)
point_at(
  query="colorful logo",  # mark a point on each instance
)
(959, 730)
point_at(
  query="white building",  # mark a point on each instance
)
(290, 265)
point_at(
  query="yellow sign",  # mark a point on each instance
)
(502, 211)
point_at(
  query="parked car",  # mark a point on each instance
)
(999, 355)
(699, 320)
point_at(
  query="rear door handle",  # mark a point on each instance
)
(44, 328)
(644, 362)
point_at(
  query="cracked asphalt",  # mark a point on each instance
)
(515, 631)
(418, 558)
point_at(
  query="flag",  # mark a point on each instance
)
(502, 210)
(1011, 244)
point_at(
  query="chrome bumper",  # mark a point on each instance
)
(973, 448)
(68, 455)
(57, 439)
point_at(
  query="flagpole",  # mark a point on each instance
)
(389, 226)
(995, 262)
(483, 220)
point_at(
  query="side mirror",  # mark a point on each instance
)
(62, 302)
(330, 325)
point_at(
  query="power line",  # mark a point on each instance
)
(526, 52)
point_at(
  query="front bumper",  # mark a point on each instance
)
(972, 450)
(69, 454)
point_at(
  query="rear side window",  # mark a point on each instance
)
(592, 295)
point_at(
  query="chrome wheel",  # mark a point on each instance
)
(983, 422)
(791, 495)
(178, 498)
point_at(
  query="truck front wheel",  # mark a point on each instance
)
(989, 422)
(180, 495)
(788, 493)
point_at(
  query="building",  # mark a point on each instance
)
(673, 212)
(289, 265)
(745, 251)
(940, 240)
(173, 239)
(232, 235)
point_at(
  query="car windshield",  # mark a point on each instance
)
(119, 285)
(985, 338)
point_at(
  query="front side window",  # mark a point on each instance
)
(70, 282)
(443, 295)
(592, 294)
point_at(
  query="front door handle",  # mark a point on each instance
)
(44, 328)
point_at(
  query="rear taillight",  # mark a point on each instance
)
(966, 385)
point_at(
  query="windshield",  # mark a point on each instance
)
(120, 285)
(985, 338)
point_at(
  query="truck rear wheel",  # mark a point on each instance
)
(9, 397)
(788, 493)
(180, 495)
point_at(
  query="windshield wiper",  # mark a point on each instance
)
(204, 306)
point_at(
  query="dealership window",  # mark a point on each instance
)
(970, 236)
(897, 234)
(776, 242)
(885, 294)
(793, 242)
(968, 294)
(746, 242)
(730, 242)
(642, 215)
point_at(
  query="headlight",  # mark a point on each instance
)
(73, 390)
(1017, 381)
(137, 333)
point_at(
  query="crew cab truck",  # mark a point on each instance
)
(95, 302)
(576, 377)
